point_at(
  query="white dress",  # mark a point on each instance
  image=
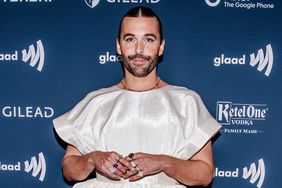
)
(170, 120)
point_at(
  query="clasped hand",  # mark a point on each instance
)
(132, 167)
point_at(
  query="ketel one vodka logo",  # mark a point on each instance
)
(228, 113)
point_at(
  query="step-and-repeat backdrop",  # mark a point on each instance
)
(53, 52)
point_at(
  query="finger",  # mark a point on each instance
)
(108, 172)
(127, 165)
(137, 176)
(138, 155)
(130, 173)
(112, 168)
(120, 167)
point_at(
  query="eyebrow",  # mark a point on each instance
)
(132, 35)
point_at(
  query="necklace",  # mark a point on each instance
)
(155, 86)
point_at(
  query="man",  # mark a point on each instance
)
(141, 132)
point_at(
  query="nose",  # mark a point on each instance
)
(139, 47)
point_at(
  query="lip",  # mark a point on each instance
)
(139, 61)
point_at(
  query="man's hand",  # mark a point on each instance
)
(110, 164)
(144, 164)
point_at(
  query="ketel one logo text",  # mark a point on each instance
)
(254, 174)
(263, 61)
(228, 113)
(35, 58)
(37, 168)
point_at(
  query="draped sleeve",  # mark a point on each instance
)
(198, 126)
(77, 127)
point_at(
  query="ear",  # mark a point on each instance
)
(118, 47)
(162, 47)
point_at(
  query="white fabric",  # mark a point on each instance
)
(170, 120)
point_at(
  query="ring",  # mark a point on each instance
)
(140, 174)
(133, 164)
(111, 169)
(131, 155)
(119, 158)
(137, 169)
(115, 165)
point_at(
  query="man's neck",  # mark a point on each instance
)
(141, 83)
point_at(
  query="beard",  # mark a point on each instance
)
(140, 70)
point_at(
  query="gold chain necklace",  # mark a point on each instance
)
(155, 86)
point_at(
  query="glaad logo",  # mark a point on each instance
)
(92, 3)
(262, 60)
(34, 57)
(255, 174)
(36, 167)
(265, 62)
(104, 58)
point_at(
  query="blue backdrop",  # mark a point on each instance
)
(52, 53)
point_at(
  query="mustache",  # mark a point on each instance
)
(130, 57)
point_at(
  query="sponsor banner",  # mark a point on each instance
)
(94, 3)
(255, 173)
(34, 58)
(27, 112)
(242, 115)
(241, 4)
(35, 167)
(263, 62)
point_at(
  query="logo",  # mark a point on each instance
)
(35, 58)
(241, 4)
(212, 3)
(240, 114)
(27, 112)
(38, 167)
(254, 174)
(27, 1)
(104, 58)
(92, 3)
(263, 60)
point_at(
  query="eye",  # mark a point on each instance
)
(129, 39)
(150, 39)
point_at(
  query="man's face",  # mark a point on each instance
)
(140, 45)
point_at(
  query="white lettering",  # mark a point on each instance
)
(27, 112)
(228, 60)
(109, 58)
(10, 167)
(9, 57)
(221, 173)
